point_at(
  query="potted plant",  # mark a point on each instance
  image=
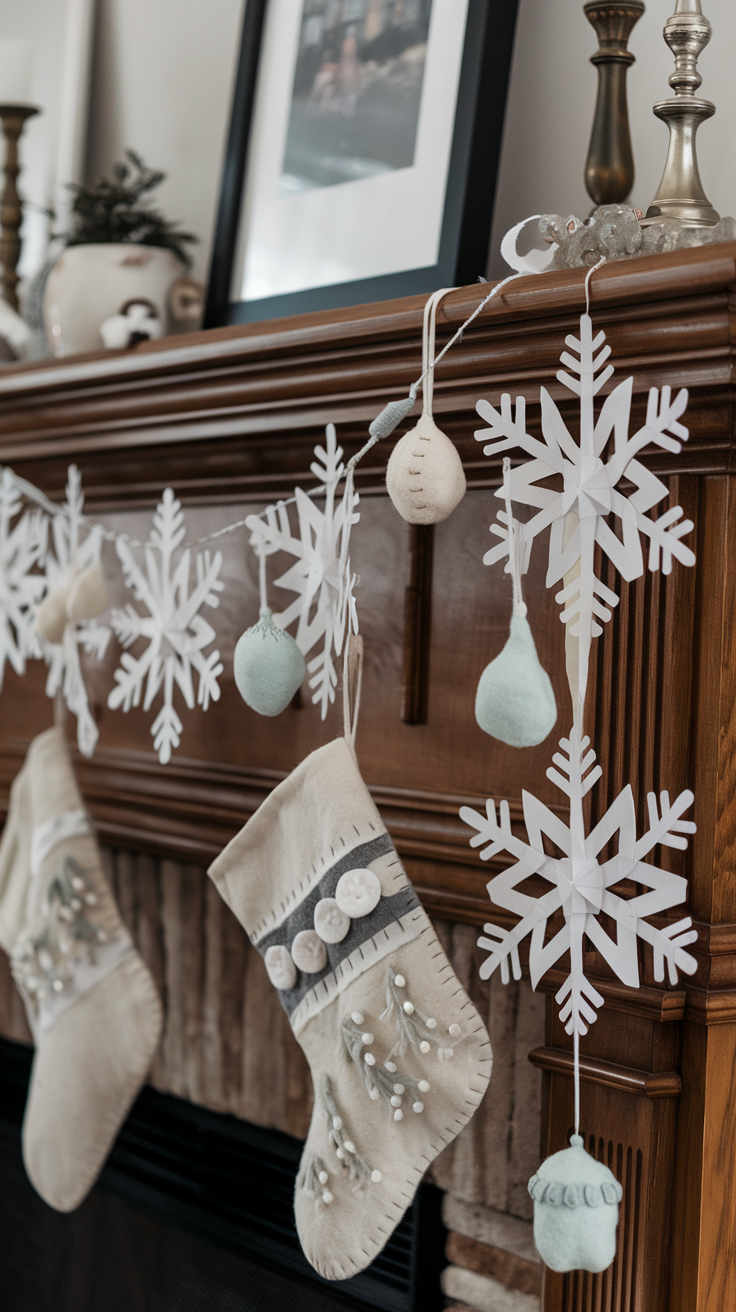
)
(119, 251)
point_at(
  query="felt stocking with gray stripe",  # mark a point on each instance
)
(399, 1056)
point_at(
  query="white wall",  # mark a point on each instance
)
(550, 112)
(162, 79)
(162, 83)
(42, 23)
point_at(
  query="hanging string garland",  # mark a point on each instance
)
(52, 599)
(576, 1198)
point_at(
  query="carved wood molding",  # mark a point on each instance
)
(645, 1084)
(190, 810)
(234, 413)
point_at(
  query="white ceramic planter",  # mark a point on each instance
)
(90, 283)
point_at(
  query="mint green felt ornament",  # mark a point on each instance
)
(576, 1203)
(515, 701)
(268, 666)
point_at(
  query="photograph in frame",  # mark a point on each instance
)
(356, 93)
(362, 156)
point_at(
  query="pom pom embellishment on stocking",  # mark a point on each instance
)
(390, 1086)
(424, 477)
(45, 963)
(515, 701)
(415, 1030)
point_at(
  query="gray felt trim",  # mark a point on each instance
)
(388, 940)
(388, 911)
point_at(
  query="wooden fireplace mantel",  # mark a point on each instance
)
(229, 419)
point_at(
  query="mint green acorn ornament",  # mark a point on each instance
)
(576, 1202)
(268, 666)
(515, 701)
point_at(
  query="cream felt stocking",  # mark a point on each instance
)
(399, 1056)
(91, 1003)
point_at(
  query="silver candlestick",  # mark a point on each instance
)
(681, 196)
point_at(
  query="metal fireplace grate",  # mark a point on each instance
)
(232, 1184)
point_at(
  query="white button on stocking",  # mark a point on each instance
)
(309, 952)
(358, 892)
(330, 922)
(280, 967)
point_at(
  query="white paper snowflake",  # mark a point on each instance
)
(582, 885)
(175, 631)
(321, 575)
(73, 551)
(22, 547)
(589, 485)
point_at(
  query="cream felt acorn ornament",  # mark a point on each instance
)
(268, 665)
(425, 478)
(82, 598)
(515, 701)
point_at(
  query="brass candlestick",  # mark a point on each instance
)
(11, 207)
(681, 196)
(609, 170)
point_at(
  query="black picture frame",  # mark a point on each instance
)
(469, 195)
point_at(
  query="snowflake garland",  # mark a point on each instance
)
(22, 547)
(174, 630)
(321, 577)
(582, 885)
(73, 552)
(589, 490)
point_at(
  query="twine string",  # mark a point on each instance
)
(514, 553)
(588, 277)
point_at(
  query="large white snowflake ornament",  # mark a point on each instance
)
(74, 551)
(321, 576)
(174, 630)
(22, 547)
(582, 885)
(588, 481)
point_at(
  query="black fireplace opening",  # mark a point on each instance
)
(193, 1211)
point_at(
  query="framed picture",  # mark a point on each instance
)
(362, 155)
